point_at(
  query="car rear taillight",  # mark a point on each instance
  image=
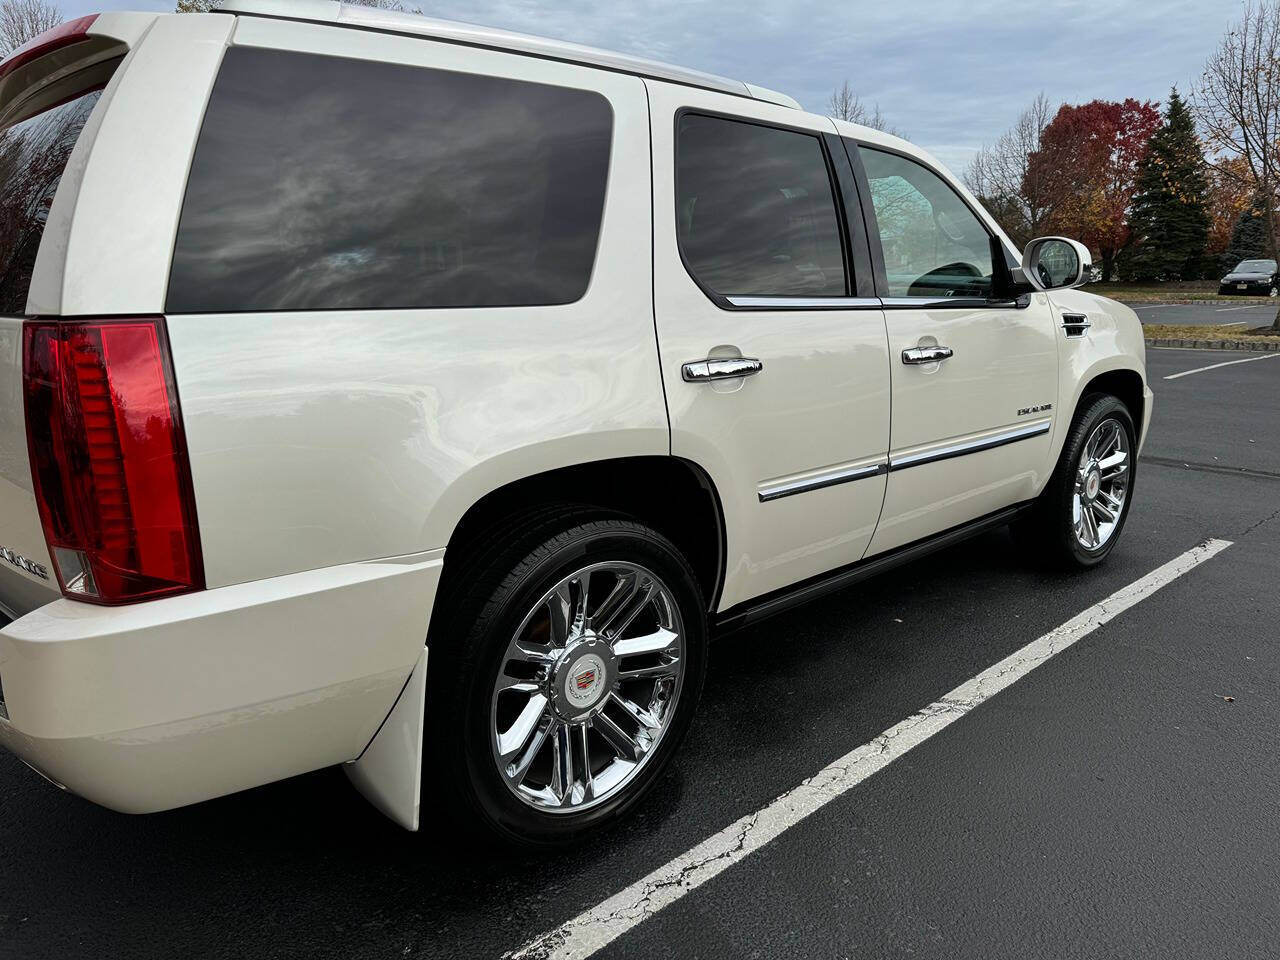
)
(109, 459)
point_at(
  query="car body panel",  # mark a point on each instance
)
(155, 705)
(1113, 341)
(1000, 379)
(821, 402)
(109, 239)
(409, 417)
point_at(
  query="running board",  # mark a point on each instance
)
(761, 608)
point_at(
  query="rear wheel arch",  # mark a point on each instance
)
(672, 495)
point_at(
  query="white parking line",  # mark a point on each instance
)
(1215, 366)
(1233, 323)
(602, 924)
(1248, 306)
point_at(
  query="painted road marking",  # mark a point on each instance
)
(607, 921)
(1250, 306)
(1215, 366)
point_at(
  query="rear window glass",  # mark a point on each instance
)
(756, 214)
(33, 155)
(325, 183)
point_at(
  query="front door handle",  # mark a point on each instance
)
(925, 354)
(715, 369)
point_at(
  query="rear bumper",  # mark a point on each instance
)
(162, 704)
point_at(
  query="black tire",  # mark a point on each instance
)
(501, 585)
(1046, 533)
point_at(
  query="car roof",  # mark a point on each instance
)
(371, 18)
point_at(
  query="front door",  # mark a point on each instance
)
(776, 372)
(974, 379)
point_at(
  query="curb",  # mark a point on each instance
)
(1260, 346)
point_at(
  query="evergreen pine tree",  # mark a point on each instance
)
(1249, 238)
(1169, 219)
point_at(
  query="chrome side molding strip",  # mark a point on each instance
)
(806, 303)
(787, 488)
(1036, 429)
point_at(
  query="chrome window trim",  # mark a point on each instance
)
(953, 303)
(787, 488)
(1039, 428)
(870, 303)
(806, 303)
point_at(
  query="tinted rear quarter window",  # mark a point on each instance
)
(326, 183)
(33, 156)
(756, 214)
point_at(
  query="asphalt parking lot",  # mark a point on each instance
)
(1208, 313)
(1120, 800)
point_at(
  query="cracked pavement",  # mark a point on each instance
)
(1112, 803)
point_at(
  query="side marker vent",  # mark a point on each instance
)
(1076, 324)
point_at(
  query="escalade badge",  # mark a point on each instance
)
(23, 564)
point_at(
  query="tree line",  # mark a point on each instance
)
(1179, 195)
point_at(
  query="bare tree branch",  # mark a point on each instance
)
(844, 104)
(1002, 174)
(1237, 101)
(22, 20)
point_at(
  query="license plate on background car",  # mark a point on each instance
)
(1242, 286)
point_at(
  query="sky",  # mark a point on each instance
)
(949, 74)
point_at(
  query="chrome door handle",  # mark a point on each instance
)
(709, 369)
(925, 354)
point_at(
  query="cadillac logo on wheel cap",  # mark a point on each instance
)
(584, 683)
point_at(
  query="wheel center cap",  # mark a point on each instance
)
(582, 678)
(1092, 484)
(584, 681)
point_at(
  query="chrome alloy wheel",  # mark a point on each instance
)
(587, 687)
(1102, 484)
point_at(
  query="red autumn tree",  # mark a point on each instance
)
(1089, 157)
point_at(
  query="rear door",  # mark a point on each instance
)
(974, 376)
(773, 350)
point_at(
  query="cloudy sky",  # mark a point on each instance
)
(950, 74)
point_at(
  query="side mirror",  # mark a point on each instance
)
(1054, 263)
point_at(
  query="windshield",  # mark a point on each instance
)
(33, 155)
(1257, 266)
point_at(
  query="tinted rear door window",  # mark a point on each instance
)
(325, 183)
(756, 212)
(33, 155)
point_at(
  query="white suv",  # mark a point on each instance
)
(333, 337)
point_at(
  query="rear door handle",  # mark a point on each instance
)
(925, 354)
(726, 369)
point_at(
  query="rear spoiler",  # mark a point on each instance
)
(48, 69)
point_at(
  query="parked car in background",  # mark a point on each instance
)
(332, 337)
(1251, 277)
